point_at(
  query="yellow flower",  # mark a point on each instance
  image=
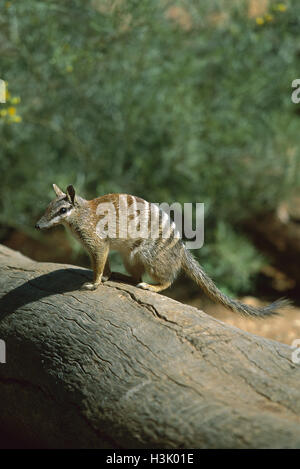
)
(16, 119)
(280, 7)
(260, 21)
(269, 17)
(15, 100)
(69, 69)
(11, 111)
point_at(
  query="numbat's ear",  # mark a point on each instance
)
(58, 191)
(71, 194)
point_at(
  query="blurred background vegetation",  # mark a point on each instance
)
(186, 101)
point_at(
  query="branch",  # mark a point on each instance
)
(124, 368)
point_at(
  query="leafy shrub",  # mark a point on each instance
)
(194, 107)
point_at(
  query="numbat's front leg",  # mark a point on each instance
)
(107, 272)
(90, 286)
(100, 265)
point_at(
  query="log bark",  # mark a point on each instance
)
(124, 368)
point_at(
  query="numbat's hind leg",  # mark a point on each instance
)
(155, 288)
(134, 268)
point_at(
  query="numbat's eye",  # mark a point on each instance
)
(63, 210)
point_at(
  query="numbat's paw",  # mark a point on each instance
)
(146, 286)
(90, 286)
(155, 288)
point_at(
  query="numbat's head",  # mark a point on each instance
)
(61, 209)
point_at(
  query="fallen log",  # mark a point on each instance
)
(124, 368)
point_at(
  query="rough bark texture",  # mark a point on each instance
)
(125, 368)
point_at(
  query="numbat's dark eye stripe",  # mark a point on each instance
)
(61, 211)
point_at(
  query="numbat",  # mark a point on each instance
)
(102, 225)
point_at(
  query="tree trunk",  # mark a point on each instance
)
(124, 368)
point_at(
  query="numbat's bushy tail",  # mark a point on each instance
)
(194, 271)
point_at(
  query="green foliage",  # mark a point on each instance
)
(230, 252)
(125, 98)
